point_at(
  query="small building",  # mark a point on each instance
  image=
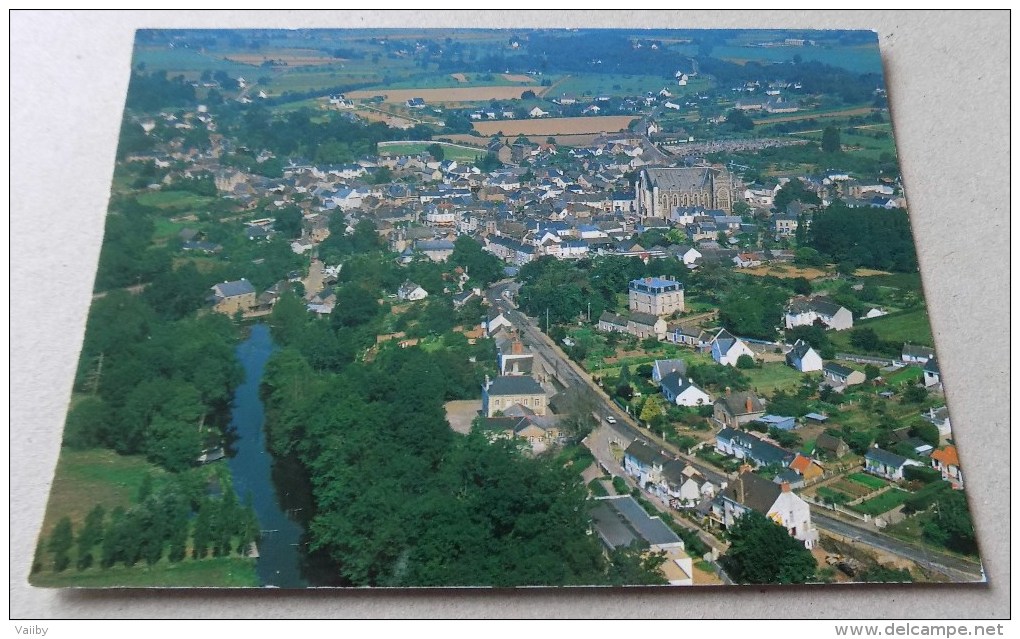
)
(750, 447)
(839, 376)
(779, 421)
(804, 358)
(727, 349)
(738, 408)
(914, 354)
(411, 292)
(231, 297)
(885, 464)
(831, 447)
(946, 461)
(932, 376)
(682, 391)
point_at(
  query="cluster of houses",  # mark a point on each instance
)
(515, 405)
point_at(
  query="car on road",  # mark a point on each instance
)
(610, 419)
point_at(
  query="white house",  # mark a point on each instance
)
(776, 501)
(885, 464)
(682, 391)
(932, 376)
(682, 486)
(411, 292)
(727, 349)
(803, 357)
(537, 113)
(805, 311)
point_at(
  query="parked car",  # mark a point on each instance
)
(610, 419)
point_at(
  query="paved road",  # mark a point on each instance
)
(627, 430)
(957, 569)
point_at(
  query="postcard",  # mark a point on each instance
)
(500, 308)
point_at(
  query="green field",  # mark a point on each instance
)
(773, 376)
(592, 85)
(174, 200)
(912, 326)
(84, 478)
(907, 374)
(872, 140)
(215, 572)
(450, 151)
(883, 503)
(868, 480)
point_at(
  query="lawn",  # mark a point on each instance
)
(868, 480)
(174, 200)
(773, 376)
(883, 503)
(215, 572)
(907, 374)
(912, 326)
(84, 478)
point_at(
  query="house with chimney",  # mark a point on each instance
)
(946, 461)
(734, 409)
(644, 462)
(778, 502)
(747, 446)
(231, 297)
(506, 391)
(682, 391)
(658, 296)
(804, 358)
(513, 358)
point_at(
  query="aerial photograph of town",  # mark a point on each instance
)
(501, 308)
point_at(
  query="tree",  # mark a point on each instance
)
(382, 175)
(739, 121)
(871, 371)
(652, 410)
(915, 394)
(745, 362)
(355, 306)
(288, 222)
(830, 140)
(950, 525)
(763, 552)
(436, 151)
(61, 540)
(864, 338)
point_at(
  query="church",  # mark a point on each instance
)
(659, 190)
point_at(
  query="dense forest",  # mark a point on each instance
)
(873, 238)
(152, 386)
(403, 500)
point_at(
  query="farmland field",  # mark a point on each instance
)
(913, 326)
(284, 57)
(450, 151)
(444, 95)
(883, 503)
(868, 480)
(786, 270)
(174, 200)
(516, 77)
(555, 126)
(806, 115)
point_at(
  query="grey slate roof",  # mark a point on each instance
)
(644, 453)
(233, 289)
(666, 366)
(736, 403)
(753, 491)
(799, 350)
(644, 319)
(838, 369)
(620, 521)
(932, 365)
(884, 457)
(515, 385)
(680, 178)
(676, 383)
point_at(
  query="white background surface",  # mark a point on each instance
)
(948, 81)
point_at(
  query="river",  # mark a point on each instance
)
(278, 489)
